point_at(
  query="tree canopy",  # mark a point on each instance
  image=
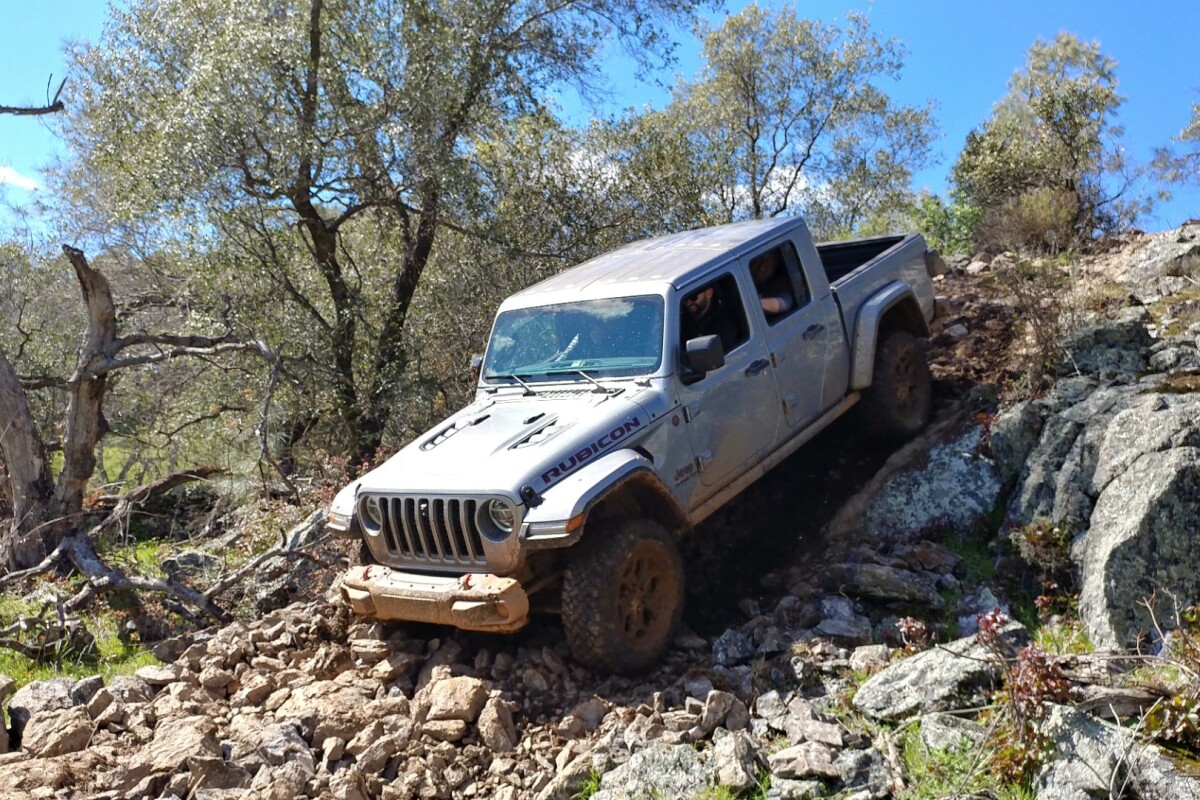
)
(1048, 165)
(310, 154)
(792, 115)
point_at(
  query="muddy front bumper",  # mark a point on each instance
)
(474, 602)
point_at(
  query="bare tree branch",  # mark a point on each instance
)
(55, 106)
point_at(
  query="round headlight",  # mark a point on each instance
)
(373, 512)
(503, 515)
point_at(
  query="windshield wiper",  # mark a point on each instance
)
(529, 392)
(599, 386)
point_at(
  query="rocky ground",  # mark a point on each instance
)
(805, 670)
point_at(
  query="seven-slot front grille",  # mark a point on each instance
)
(432, 530)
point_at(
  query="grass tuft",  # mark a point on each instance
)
(934, 774)
(590, 786)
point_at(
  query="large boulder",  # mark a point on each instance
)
(938, 482)
(806, 760)
(1164, 263)
(56, 733)
(1013, 436)
(1175, 354)
(36, 698)
(1056, 482)
(177, 740)
(326, 708)
(1142, 544)
(1092, 757)
(1116, 469)
(955, 675)
(1110, 348)
(735, 760)
(658, 770)
(459, 698)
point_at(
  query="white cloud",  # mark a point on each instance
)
(10, 176)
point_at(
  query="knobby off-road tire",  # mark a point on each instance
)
(897, 404)
(622, 595)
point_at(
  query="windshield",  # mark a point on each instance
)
(602, 338)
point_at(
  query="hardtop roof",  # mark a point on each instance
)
(652, 264)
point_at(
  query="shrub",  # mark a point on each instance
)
(1047, 303)
(1044, 545)
(1040, 220)
(1176, 721)
(1031, 680)
(947, 227)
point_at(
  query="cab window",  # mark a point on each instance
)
(714, 309)
(779, 281)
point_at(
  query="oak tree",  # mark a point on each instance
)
(1047, 167)
(312, 153)
(792, 115)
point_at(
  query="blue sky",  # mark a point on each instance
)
(960, 54)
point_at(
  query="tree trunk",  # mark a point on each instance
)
(28, 474)
(85, 418)
(44, 512)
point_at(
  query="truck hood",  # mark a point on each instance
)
(500, 444)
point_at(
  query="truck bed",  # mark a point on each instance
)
(859, 268)
(842, 258)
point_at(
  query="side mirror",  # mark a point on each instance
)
(476, 363)
(704, 353)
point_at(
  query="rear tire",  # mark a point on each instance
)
(622, 595)
(898, 402)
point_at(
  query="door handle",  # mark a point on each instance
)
(757, 366)
(812, 331)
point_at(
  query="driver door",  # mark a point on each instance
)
(732, 413)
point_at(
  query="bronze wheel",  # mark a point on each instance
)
(623, 595)
(904, 380)
(897, 404)
(646, 595)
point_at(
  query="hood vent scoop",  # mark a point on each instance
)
(540, 435)
(447, 432)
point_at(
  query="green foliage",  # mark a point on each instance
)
(756, 792)
(1040, 219)
(590, 786)
(1047, 166)
(761, 789)
(978, 561)
(788, 115)
(1176, 721)
(1063, 637)
(110, 654)
(312, 165)
(948, 227)
(934, 774)
(1181, 164)
(1044, 545)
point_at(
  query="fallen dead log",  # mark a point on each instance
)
(41, 634)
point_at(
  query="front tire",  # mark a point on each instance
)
(622, 595)
(898, 402)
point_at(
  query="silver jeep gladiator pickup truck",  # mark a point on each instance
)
(619, 404)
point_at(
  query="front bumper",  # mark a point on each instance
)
(473, 602)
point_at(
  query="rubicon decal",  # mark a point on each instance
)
(566, 467)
